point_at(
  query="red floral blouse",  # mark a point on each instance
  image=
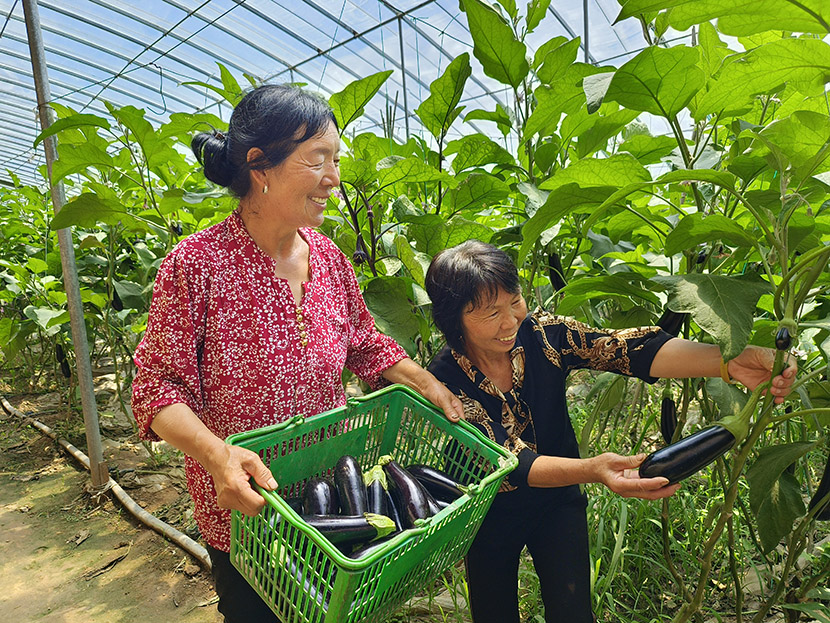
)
(225, 337)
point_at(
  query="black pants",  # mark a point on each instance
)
(238, 602)
(554, 528)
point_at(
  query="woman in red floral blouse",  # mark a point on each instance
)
(254, 319)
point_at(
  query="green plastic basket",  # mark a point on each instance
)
(297, 571)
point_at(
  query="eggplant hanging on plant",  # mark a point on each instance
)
(822, 493)
(689, 455)
(116, 303)
(672, 322)
(555, 272)
(783, 339)
(668, 418)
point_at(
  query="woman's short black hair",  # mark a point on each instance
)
(471, 273)
(273, 117)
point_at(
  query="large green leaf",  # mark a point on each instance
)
(560, 202)
(694, 229)
(476, 150)
(77, 158)
(618, 286)
(557, 60)
(349, 103)
(502, 56)
(536, 11)
(728, 398)
(410, 170)
(47, 318)
(738, 17)
(618, 170)
(605, 127)
(565, 96)
(132, 295)
(432, 234)
(801, 63)
(499, 116)
(89, 210)
(774, 494)
(389, 301)
(722, 306)
(73, 121)
(477, 191)
(658, 80)
(803, 139)
(440, 109)
(408, 258)
(648, 149)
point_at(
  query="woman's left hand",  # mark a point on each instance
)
(754, 366)
(422, 381)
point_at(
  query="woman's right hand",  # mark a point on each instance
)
(232, 468)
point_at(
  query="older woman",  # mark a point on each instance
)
(509, 370)
(254, 319)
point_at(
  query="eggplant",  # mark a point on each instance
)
(821, 493)
(783, 339)
(365, 550)
(295, 504)
(436, 482)
(688, 455)
(555, 272)
(392, 512)
(409, 495)
(301, 575)
(349, 482)
(672, 322)
(320, 497)
(345, 531)
(376, 498)
(668, 418)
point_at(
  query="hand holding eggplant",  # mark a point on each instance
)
(619, 474)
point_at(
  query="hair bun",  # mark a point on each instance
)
(211, 150)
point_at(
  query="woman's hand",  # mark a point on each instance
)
(619, 474)
(409, 373)
(754, 366)
(232, 468)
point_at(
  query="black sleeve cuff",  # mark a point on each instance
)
(641, 363)
(518, 477)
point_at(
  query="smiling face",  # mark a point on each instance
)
(490, 328)
(299, 187)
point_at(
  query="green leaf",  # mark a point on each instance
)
(46, 318)
(694, 229)
(595, 87)
(722, 306)
(349, 103)
(388, 300)
(618, 170)
(477, 191)
(73, 121)
(746, 18)
(78, 158)
(231, 85)
(501, 55)
(499, 116)
(728, 398)
(536, 11)
(440, 109)
(131, 294)
(432, 234)
(557, 60)
(804, 139)
(566, 96)
(89, 210)
(476, 150)
(410, 170)
(407, 256)
(720, 178)
(604, 128)
(622, 286)
(561, 201)
(648, 149)
(813, 609)
(801, 63)
(774, 494)
(630, 8)
(658, 80)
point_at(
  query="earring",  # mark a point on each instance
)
(265, 189)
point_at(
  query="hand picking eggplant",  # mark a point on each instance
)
(690, 454)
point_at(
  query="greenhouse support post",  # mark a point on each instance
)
(98, 468)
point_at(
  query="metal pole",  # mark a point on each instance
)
(403, 76)
(585, 29)
(97, 467)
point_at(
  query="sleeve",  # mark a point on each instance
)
(570, 345)
(167, 359)
(370, 352)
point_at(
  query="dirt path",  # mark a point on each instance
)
(64, 559)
